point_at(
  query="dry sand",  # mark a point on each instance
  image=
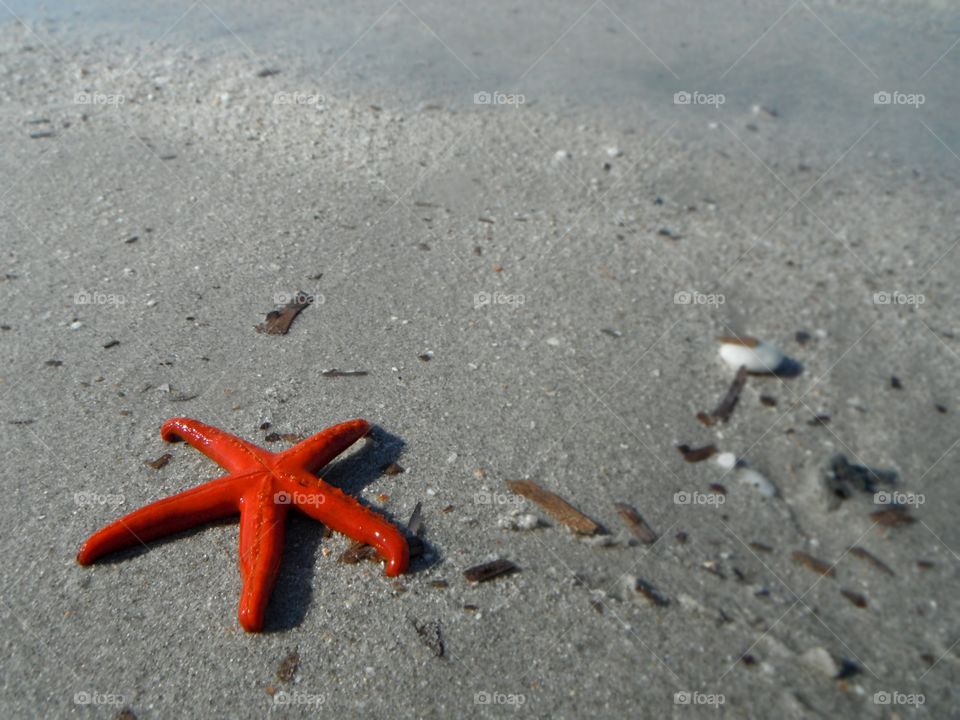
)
(543, 257)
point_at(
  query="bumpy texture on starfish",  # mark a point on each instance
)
(262, 486)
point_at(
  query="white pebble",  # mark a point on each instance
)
(561, 155)
(614, 152)
(519, 522)
(76, 325)
(727, 460)
(818, 658)
(751, 477)
(757, 355)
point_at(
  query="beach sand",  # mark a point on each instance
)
(534, 291)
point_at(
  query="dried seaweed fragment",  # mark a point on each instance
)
(431, 634)
(559, 508)
(843, 478)
(334, 372)
(278, 321)
(635, 523)
(159, 462)
(694, 455)
(489, 571)
(814, 564)
(893, 516)
(652, 594)
(724, 410)
(287, 669)
(859, 552)
(856, 598)
(357, 552)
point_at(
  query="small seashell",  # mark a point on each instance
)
(756, 355)
(726, 460)
(817, 658)
(749, 476)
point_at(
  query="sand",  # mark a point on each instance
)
(566, 266)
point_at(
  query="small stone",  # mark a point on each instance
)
(819, 659)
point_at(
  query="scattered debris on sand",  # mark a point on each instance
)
(334, 372)
(160, 462)
(635, 523)
(813, 564)
(431, 635)
(278, 321)
(757, 356)
(694, 455)
(863, 554)
(489, 571)
(724, 410)
(556, 506)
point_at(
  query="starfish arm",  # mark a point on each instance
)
(233, 454)
(344, 514)
(261, 548)
(318, 450)
(210, 501)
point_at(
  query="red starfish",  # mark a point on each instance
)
(262, 486)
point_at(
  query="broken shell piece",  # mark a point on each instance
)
(758, 356)
(749, 476)
(519, 521)
(726, 460)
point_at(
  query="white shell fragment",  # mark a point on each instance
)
(749, 476)
(757, 356)
(726, 460)
(518, 521)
